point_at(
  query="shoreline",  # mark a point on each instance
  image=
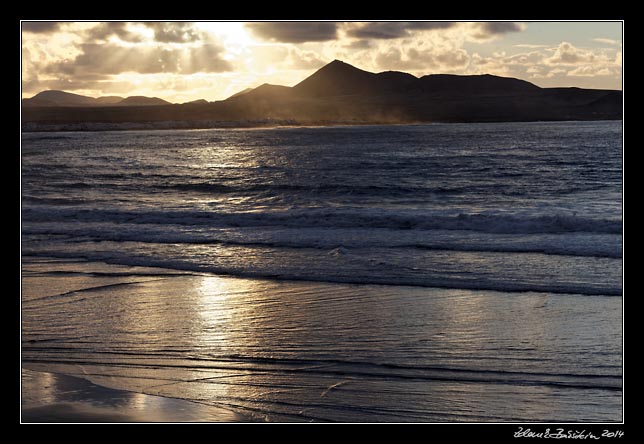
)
(38, 127)
(59, 398)
(213, 349)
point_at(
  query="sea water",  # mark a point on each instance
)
(444, 272)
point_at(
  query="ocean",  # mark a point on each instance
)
(424, 273)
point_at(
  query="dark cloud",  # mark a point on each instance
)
(501, 27)
(110, 59)
(295, 32)
(487, 30)
(393, 30)
(40, 27)
(164, 32)
(174, 32)
(105, 30)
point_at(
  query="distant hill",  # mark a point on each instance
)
(341, 93)
(142, 101)
(58, 98)
(61, 98)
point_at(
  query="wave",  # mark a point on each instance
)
(331, 367)
(333, 189)
(35, 137)
(330, 218)
(55, 200)
(590, 245)
(311, 275)
(124, 181)
(161, 183)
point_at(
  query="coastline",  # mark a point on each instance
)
(40, 127)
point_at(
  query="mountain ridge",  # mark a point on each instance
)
(60, 98)
(341, 93)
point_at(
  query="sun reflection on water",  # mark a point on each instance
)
(213, 309)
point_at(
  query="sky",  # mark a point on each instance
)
(185, 61)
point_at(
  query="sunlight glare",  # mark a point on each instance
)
(144, 31)
(234, 36)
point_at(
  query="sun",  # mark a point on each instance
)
(234, 36)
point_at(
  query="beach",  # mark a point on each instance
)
(413, 273)
(188, 347)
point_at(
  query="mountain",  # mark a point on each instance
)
(54, 98)
(59, 98)
(339, 93)
(485, 84)
(339, 78)
(264, 92)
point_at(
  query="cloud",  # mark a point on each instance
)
(564, 65)
(135, 32)
(111, 59)
(103, 31)
(150, 57)
(40, 27)
(304, 59)
(422, 60)
(174, 32)
(477, 31)
(294, 32)
(393, 30)
(589, 71)
(359, 44)
(567, 54)
(491, 30)
(501, 27)
(272, 59)
(536, 70)
(526, 58)
(453, 59)
(607, 41)
(555, 73)
(530, 46)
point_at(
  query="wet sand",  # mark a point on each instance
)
(186, 347)
(57, 398)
